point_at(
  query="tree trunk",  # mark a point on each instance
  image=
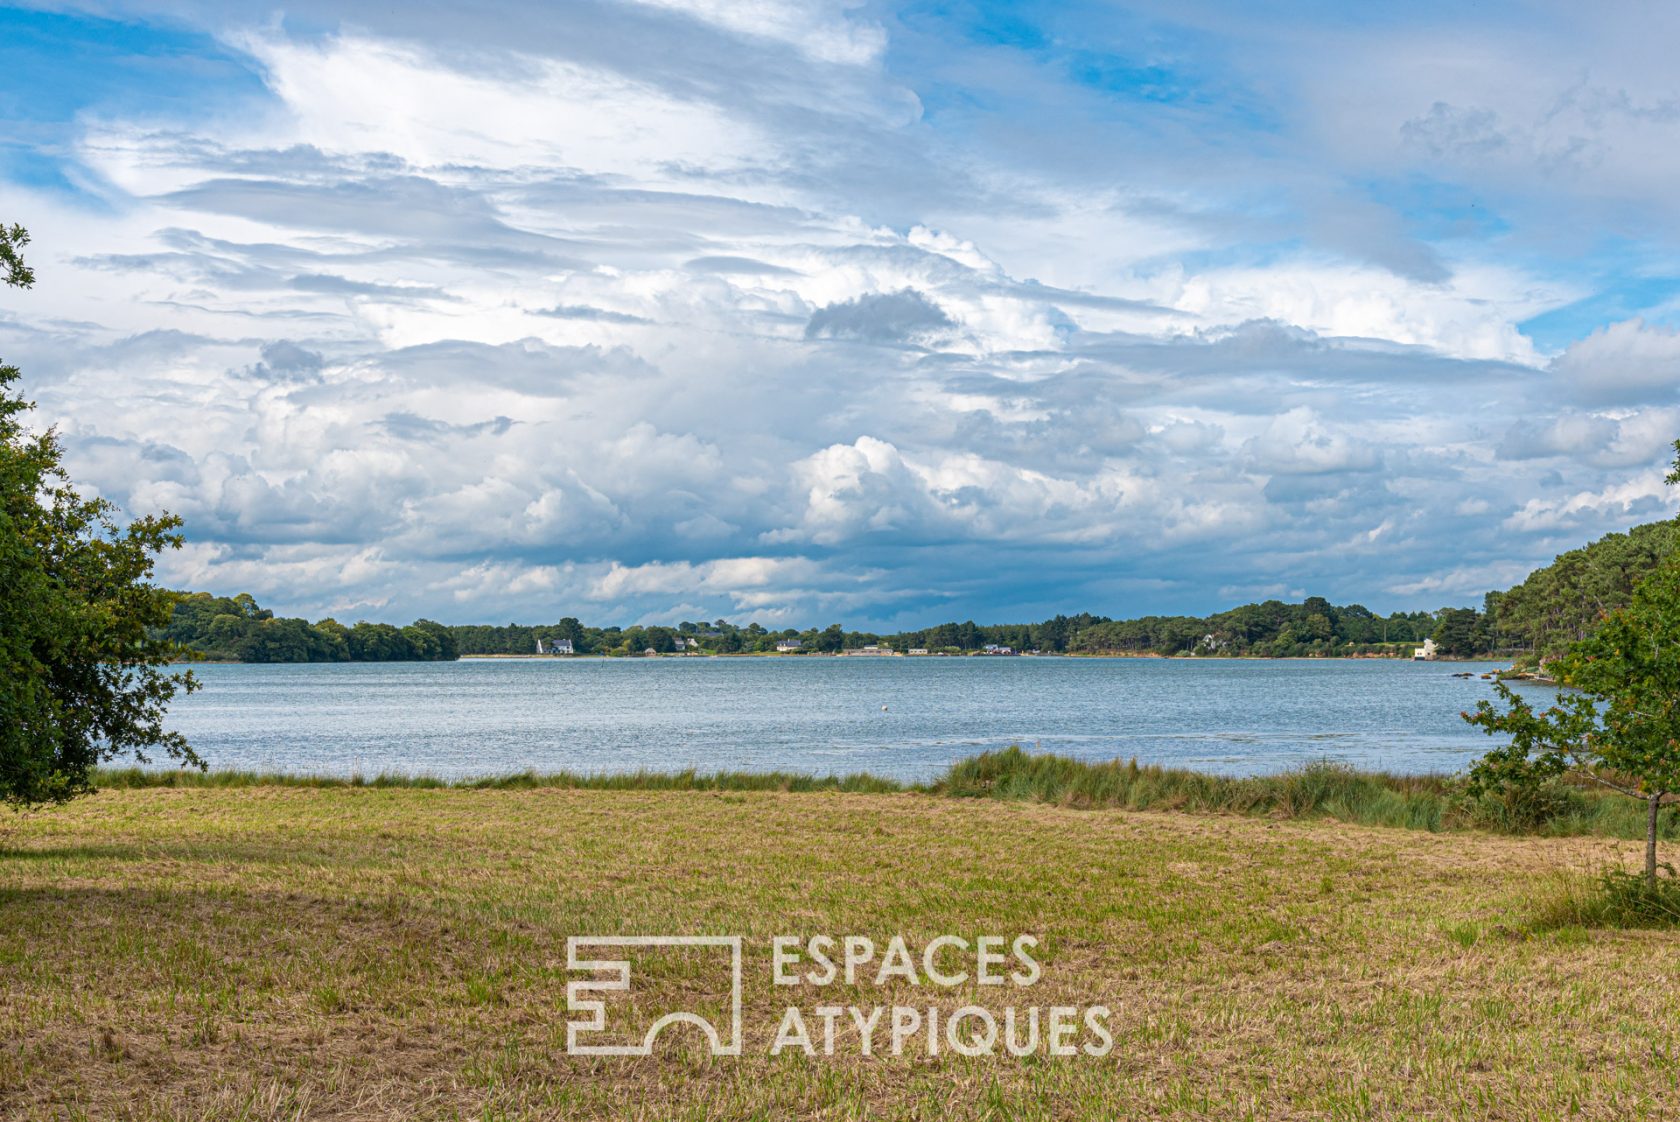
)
(1651, 841)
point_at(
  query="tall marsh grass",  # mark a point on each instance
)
(690, 780)
(1612, 897)
(1317, 790)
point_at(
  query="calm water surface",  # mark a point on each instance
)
(824, 715)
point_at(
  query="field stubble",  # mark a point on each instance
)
(269, 952)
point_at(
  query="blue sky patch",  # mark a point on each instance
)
(56, 66)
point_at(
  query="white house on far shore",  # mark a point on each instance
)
(788, 646)
(555, 647)
(1425, 653)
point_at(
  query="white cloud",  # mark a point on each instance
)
(1300, 442)
(1623, 363)
(734, 576)
(1464, 583)
(1572, 434)
(822, 31)
(1474, 316)
(498, 325)
(349, 94)
(1642, 495)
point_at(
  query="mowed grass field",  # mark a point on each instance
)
(271, 952)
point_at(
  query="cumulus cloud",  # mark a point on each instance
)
(1300, 442)
(1624, 363)
(1572, 434)
(285, 361)
(688, 307)
(1641, 497)
(858, 488)
(888, 317)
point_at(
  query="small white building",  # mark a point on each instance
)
(555, 647)
(788, 646)
(917, 651)
(1425, 653)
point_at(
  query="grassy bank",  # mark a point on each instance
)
(270, 951)
(124, 779)
(1428, 802)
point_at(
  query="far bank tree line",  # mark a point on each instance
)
(1554, 607)
(237, 629)
(1272, 628)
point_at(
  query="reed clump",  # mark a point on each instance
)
(1315, 790)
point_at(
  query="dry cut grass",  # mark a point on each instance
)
(272, 952)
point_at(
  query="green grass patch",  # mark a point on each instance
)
(288, 951)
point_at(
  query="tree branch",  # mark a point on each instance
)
(1617, 787)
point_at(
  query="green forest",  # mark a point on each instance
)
(236, 629)
(1563, 602)
(1553, 607)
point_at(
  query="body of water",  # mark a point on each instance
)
(902, 717)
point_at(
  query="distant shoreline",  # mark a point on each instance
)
(675, 657)
(985, 657)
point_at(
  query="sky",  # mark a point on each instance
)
(881, 314)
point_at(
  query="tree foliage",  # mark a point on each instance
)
(1563, 602)
(83, 676)
(237, 628)
(13, 272)
(1619, 724)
